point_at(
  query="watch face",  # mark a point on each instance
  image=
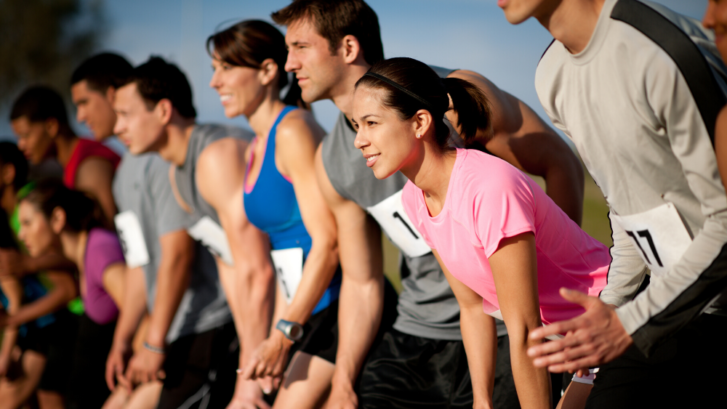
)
(295, 332)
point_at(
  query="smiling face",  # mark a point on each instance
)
(517, 11)
(310, 58)
(35, 230)
(715, 18)
(387, 142)
(34, 138)
(138, 127)
(240, 88)
(95, 109)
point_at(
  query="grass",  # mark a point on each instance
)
(595, 223)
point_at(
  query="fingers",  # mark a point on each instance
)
(266, 384)
(577, 297)
(552, 347)
(261, 404)
(248, 373)
(557, 328)
(109, 375)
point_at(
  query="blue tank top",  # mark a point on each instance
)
(271, 205)
(33, 290)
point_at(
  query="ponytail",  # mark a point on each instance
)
(473, 111)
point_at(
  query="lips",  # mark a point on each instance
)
(371, 159)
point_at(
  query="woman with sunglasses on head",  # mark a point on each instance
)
(282, 198)
(505, 247)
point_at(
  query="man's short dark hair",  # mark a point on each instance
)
(102, 71)
(335, 19)
(157, 79)
(11, 155)
(39, 103)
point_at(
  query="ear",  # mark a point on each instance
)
(110, 94)
(268, 71)
(350, 48)
(58, 220)
(164, 110)
(423, 123)
(8, 174)
(51, 127)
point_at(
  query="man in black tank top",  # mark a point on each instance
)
(395, 373)
(207, 178)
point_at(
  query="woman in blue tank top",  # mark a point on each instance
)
(282, 198)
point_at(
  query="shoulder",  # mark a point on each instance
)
(221, 156)
(299, 128)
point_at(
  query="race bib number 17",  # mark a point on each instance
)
(659, 235)
(212, 236)
(396, 224)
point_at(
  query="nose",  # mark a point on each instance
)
(215, 80)
(80, 115)
(292, 63)
(118, 126)
(708, 19)
(360, 142)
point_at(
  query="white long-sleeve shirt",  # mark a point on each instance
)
(640, 103)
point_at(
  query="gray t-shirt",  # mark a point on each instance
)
(148, 210)
(427, 306)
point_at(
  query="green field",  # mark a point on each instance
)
(595, 223)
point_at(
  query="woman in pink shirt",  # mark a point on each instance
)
(505, 247)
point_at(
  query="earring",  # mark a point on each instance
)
(419, 136)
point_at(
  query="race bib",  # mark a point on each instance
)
(288, 269)
(659, 234)
(132, 239)
(398, 228)
(212, 236)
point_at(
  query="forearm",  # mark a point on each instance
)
(480, 340)
(626, 271)
(532, 384)
(173, 279)
(48, 261)
(9, 336)
(319, 268)
(51, 302)
(133, 308)
(360, 308)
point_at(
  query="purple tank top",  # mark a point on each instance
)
(102, 250)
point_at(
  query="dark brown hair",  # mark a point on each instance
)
(335, 19)
(82, 212)
(39, 103)
(158, 79)
(431, 92)
(249, 43)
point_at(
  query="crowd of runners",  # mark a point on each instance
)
(207, 266)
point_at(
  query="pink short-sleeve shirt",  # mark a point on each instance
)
(489, 200)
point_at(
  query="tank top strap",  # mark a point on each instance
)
(270, 144)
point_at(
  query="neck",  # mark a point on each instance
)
(262, 119)
(7, 200)
(64, 148)
(430, 171)
(176, 140)
(342, 95)
(572, 22)
(74, 247)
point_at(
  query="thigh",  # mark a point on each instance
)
(406, 371)
(14, 393)
(145, 396)
(307, 382)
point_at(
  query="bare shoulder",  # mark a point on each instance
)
(722, 121)
(297, 123)
(221, 169)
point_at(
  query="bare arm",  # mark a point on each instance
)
(134, 307)
(95, 177)
(13, 291)
(13, 262)
(514, 268)
(720, 144)
(362, 290)
(113, 282)
(64, 290)
(520, 137)
(249, 284)
(480, 339)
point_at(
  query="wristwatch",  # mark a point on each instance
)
(292, 330)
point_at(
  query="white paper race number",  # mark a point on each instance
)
(396, 224)
(659, 235)
(132, 239)
(288, 269)
(212, 236)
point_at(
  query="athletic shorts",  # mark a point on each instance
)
(407, 371)
(321, 334)
(201, 370)
(56, 343)
(685, 371)
(88, 389)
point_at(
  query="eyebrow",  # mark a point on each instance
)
(297, 43)
(367, 115)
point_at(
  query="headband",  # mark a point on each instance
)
(402, 89)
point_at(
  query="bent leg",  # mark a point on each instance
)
(14, 393)
(307, 382)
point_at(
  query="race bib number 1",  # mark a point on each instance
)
(212, 236)
(396, 224)
(132, 239)
(659, 235)
(288, 269)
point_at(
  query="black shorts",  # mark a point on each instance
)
(321, 334)
(88, 387)
(685, 371)
(201, 370)
(407, 371)
(56, 343)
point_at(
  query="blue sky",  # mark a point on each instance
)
(468, 34)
